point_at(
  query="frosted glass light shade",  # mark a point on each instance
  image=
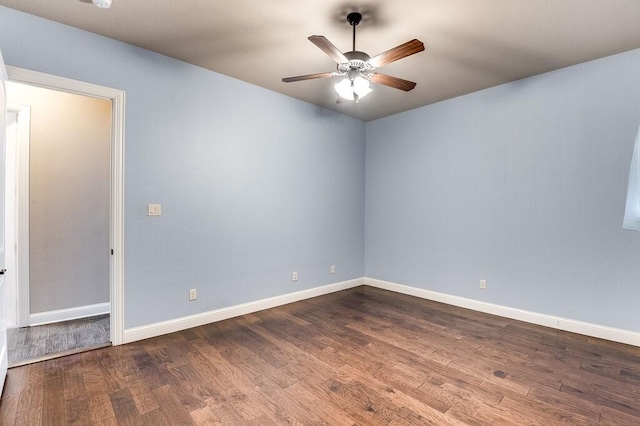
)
(346, 89)
(361, 87)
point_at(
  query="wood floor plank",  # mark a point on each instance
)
(613, 417)
(123, 406)
(29, 417)
(246, 408)
(281, 406)
(262, 421)
(77, 410)
(361, 356)
(32, 393)
(367, 406)
(73, 382)
(100, 408)
(153, 418)
(428, 405)
(470, 399)
(14, 381)
(322, 407)
(536, 411)
(487, 373)
(140, 391)
(190, 387)
(560, 399)
(232, 379)
(174, 412)
(53, 402)
(9, 409)
(302, 364)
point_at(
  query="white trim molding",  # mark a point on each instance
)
(559, 323)
(21, 229)
(68, 314)
(170, 326)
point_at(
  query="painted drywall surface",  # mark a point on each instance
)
(522, 185)
(69, 156)
(253, 185)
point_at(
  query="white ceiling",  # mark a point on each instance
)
(470, 44)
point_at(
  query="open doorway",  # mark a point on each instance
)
(57, 221)
(71, 259)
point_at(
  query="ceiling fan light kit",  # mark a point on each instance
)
(354, 87)
(358, 67)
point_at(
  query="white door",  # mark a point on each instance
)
(3, 325)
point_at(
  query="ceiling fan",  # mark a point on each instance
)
(358, 67)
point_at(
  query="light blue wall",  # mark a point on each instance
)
(522, 185)
(253, 185)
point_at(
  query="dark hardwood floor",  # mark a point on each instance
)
(361, 356)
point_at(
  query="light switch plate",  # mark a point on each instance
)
(154, 210)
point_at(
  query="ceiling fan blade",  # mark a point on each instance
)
(406, 49)
(309, 77)
(391, 81)
(327, 47)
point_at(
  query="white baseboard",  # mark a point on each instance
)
(559, 323)
(183, 323)
(59, 315)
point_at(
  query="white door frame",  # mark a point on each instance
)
(21, 228)
(116, 231)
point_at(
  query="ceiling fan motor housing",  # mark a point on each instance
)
(358, 61)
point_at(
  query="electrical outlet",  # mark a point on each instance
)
(483, 284)
(333, 269)
(192, 294)
(294, 277)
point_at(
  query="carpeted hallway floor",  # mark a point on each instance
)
(39, 343)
